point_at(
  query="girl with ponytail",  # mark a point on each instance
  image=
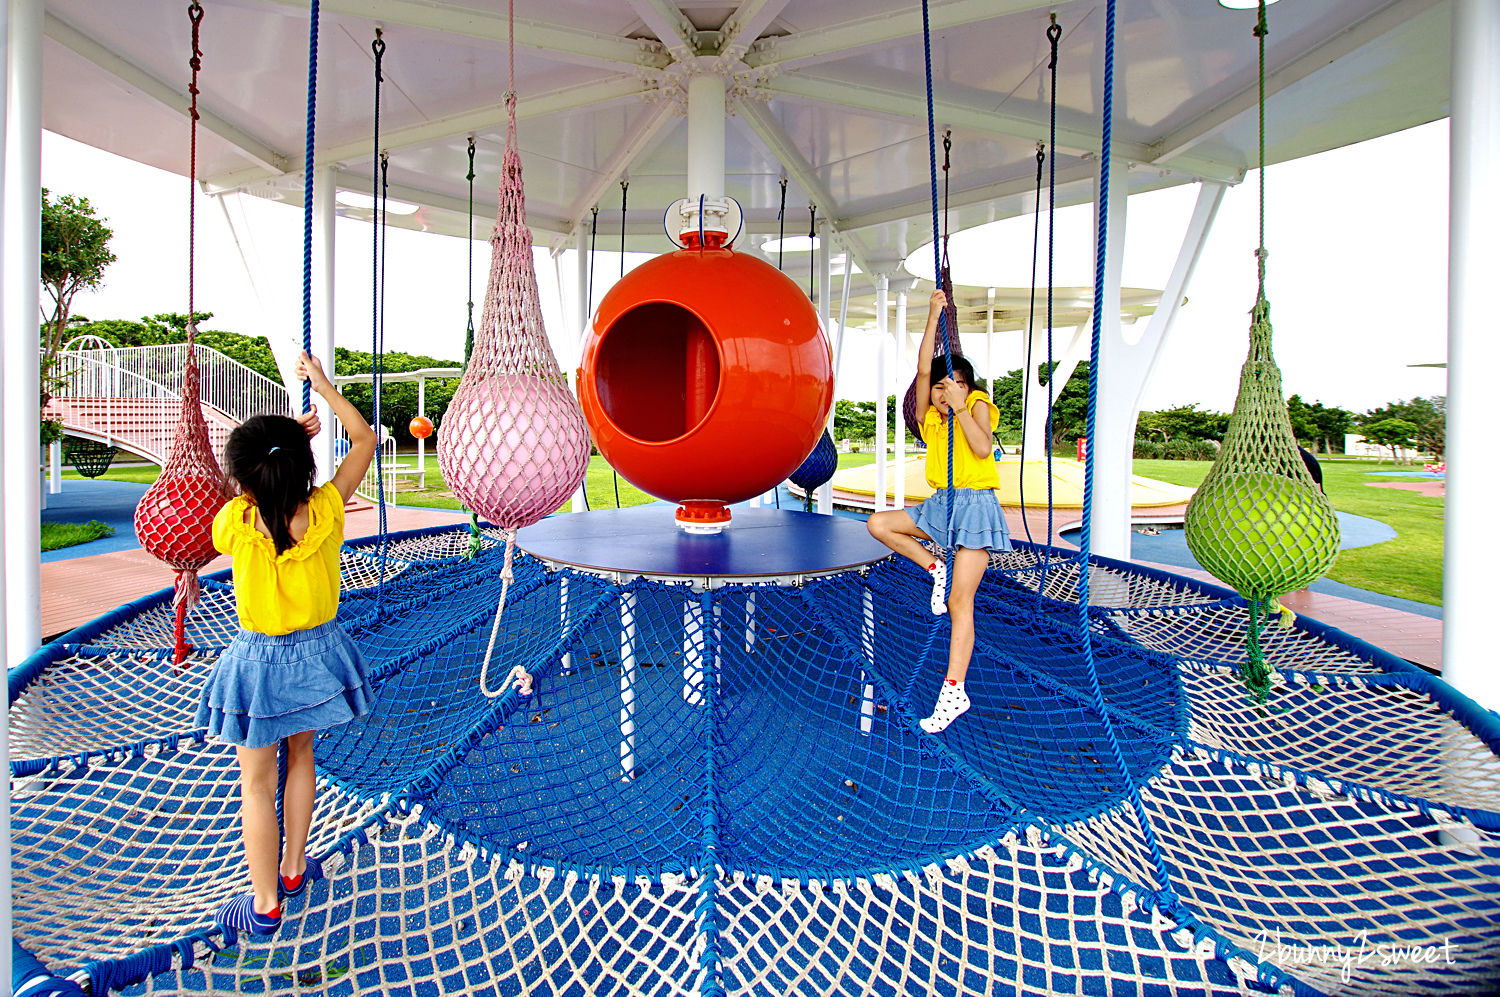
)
(291, 671)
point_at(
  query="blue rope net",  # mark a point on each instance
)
(727, 792)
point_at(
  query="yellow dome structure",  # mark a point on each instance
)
(854, 487)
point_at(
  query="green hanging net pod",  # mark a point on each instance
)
(89, 458)
(1259, 521)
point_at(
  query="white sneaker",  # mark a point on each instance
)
(952, 703)
(939, 572)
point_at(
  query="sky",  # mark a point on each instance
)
(1357, 273)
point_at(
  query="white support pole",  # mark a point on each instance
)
(867, 644)
(628, 674)
(564, 620)
(1473, 260)
(838, 348)
(22, 495)
(54, 467)
(882, 330)
(693, 640)
(5, 391)
(989, 335)
(705, 114)
(1111, 459)
(581, 322)
(422, 440)
(325, 214)
(824, 263)
(900, 428)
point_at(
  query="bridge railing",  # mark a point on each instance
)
(120, 407)
(224, 384)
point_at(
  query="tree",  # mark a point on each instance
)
(75, 253)
(1069, 407)
(1184, 422)
(398, 400)
(1391, 433)
(1428, 415)
(1314, 422)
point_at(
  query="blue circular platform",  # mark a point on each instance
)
(770, 544)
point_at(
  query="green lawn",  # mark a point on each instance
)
(1410, 566)
(57, 535)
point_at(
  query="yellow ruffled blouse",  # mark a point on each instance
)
(969, 469)
(297, 589)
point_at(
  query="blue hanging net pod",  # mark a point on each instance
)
(818, 468)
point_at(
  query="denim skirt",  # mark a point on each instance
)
(265, 687)
(977, 520)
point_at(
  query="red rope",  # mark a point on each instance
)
(195, 15)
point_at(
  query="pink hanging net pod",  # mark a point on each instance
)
(174, 519)
(514, 444)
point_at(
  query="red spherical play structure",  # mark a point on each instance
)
(706, 378)
(420, 427)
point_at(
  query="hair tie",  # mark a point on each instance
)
(272, 450)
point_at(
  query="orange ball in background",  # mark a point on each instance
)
(420, 427)
(706, 376)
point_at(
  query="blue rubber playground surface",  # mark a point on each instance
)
(111, 502)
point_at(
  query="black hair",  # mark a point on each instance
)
(271, 458)
(961, 365)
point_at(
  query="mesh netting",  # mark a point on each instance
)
(728, 792)
(89, 458)
(514, 445)
(174, 519)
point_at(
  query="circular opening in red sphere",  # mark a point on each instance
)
(657, 373)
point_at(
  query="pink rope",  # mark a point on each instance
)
(514, 445)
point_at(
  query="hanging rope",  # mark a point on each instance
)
(308, 171)
(476, 538)
(624, 194)
(377, 313)
(514, 445)
(937, 269)
(1036, 234)
(1054, 36)
(1258, 521)
(812, 235)
(174, 519)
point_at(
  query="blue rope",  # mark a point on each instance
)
(1171, 904)
(937, 270)
(307, 196)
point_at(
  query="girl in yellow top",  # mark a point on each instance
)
(978, 525)
(291, 670)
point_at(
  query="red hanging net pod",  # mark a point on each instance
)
(174, 520)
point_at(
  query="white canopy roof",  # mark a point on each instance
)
(830, 93)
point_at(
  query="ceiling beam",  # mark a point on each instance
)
(797, 168)
(839, 41)
(618, 164)
(575, 45)
(901, 101)
(1354, 36)
(175, 98)
(747, 24)
(476, 121)
(913, 207)
(672, 29)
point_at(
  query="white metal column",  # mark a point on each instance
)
(705, 114)
(5, 924)
(823, 260)
(1111, 459)
(902, 372)
(882, 435)
(325, 212)
(585, 260)
(22, 276)
(1473, 260)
